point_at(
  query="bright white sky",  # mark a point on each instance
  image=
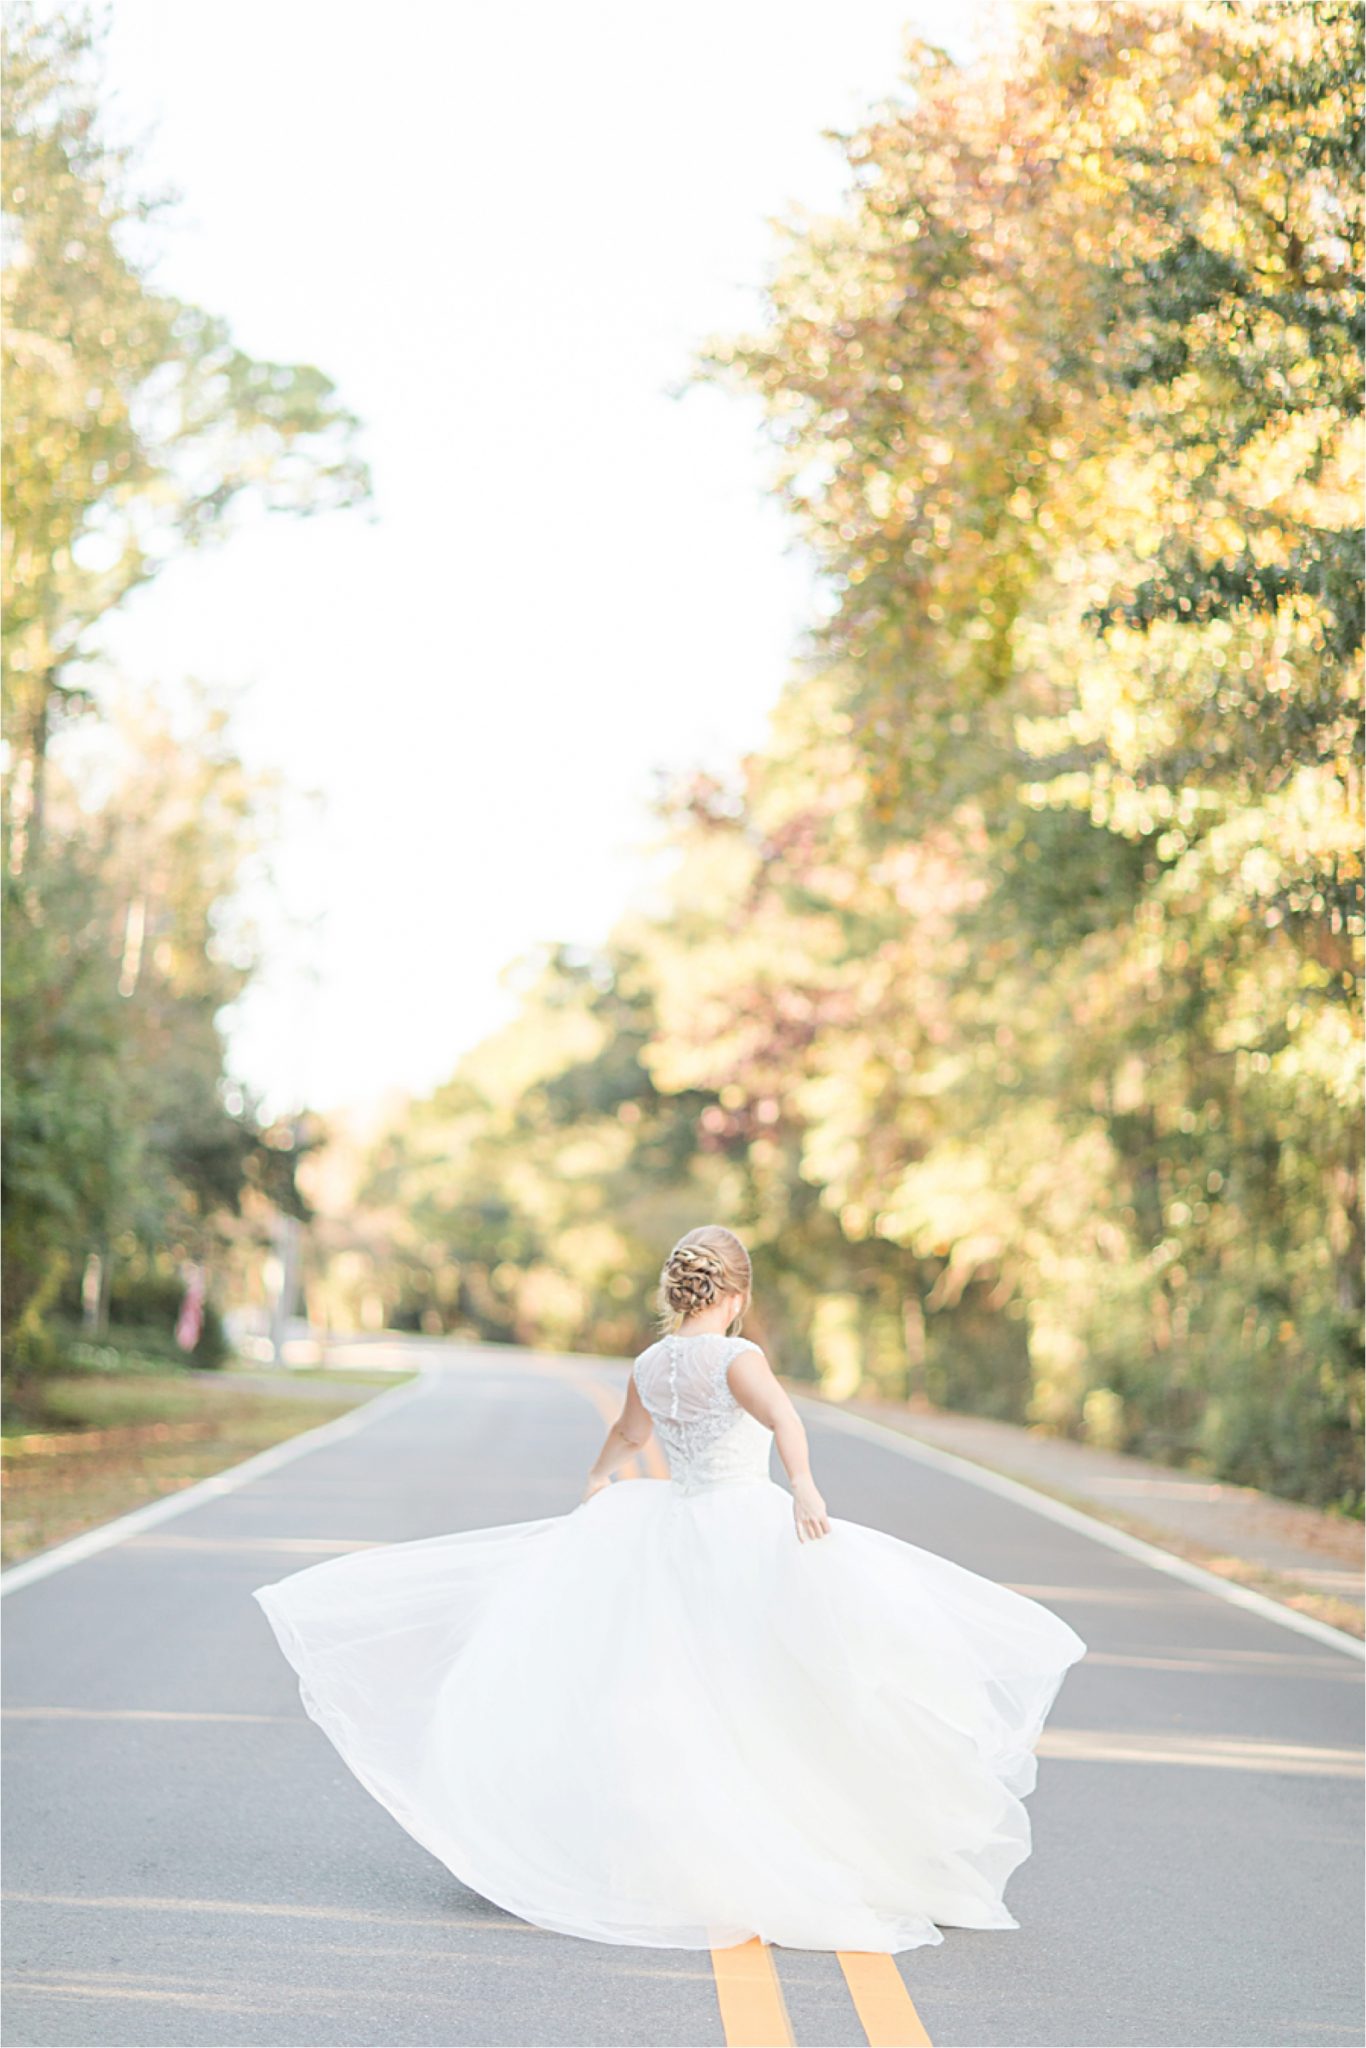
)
(502, 229)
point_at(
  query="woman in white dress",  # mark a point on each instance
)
(685, 1714)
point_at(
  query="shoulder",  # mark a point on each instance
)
(741, 1348)
(751, 1382)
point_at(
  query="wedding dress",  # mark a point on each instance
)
(661, 1719)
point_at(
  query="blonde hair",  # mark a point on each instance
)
(706, 1264)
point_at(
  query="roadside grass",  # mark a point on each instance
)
(83, 1445)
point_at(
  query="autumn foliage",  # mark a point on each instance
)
(1008, 1001)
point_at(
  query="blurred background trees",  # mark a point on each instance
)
(134, 428)
(1009, 1001)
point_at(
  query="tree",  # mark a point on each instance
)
(123, 949)
(134, 425)
(1008, 998)
(134, 428)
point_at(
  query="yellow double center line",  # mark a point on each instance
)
(753, 2011)
(881, 2000)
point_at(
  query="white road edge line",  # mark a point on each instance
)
(1087, 1525)
(132, 1524)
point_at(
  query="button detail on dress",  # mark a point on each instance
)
(707, 1437)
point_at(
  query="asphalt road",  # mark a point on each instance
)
(188, 1861)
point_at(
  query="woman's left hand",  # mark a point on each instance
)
(594, 1486)
(809, 1511)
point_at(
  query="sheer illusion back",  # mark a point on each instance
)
(707, 1437)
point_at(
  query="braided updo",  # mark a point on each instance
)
(706, 1265)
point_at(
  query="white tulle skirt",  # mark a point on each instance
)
(660, 1719)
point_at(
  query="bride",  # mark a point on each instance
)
(686, 1714)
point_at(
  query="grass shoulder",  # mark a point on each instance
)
(113, 1426)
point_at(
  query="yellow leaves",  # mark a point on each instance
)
(914, 945)
(879, 494)
(533, 1046)
(1326, 1051)
(1070, 791)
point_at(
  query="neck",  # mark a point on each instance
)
(707, 1322)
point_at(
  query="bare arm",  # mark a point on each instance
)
(628, 1434)
(760, 1394)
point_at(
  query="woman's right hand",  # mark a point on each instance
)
(808, 1511)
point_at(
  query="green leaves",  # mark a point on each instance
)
(134, 425)
(134, 428)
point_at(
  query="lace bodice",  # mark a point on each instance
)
(708, 1438)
